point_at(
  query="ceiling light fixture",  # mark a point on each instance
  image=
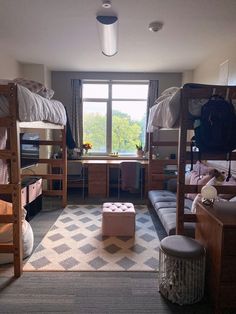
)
(155, 26)
(108, 33)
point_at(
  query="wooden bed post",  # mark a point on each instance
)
(15, 180)
(64, 167)
(181, 163)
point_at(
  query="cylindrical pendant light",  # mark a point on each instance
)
(108, 31)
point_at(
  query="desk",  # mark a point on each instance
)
(98, 174)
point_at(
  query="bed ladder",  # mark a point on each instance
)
(13, 189)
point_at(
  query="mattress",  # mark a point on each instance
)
(33, 107)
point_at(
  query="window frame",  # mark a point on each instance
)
(109, 101)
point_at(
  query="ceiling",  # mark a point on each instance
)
(63, 35)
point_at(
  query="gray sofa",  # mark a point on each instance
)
(164, 204)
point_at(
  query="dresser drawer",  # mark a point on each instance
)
(39, 185)
(227, 295)
(228, 273)
(34, 190)
(97, 189)
(97, 172)
(229, 241)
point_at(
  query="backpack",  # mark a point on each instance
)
(215, 131)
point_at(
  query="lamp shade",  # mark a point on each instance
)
(108, 31)
(209, 192)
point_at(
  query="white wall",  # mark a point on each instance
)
(36, 72)
(61, 81)
(9, 67)
(208, 71)
(187, 77)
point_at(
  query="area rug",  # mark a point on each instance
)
(75, 243)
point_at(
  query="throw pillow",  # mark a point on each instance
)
(201, 168)
(197, 198)
(195, 179)
(33, 86)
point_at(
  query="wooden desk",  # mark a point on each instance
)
(216, 230)
(98, 174)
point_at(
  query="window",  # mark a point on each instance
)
(114, 116)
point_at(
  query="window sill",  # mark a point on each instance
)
(113, 158)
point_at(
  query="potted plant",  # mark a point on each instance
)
(140, 151)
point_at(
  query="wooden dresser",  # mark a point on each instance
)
(216, 230)
(97, 180)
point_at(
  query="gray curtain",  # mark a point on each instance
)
(75, 112)
(152, 96)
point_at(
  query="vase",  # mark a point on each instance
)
(85, 151)
(140, 153)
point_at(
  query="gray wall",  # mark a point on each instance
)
(61, 81)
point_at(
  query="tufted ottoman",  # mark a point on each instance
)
(118, 219)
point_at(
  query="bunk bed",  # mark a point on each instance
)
(19, 108)
(179, 107)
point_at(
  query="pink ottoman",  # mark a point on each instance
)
(118, 219)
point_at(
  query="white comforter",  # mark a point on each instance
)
(165, 112)
(33, 107)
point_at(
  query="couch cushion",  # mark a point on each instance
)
(164, 203)
(168, 221)
(161, 196)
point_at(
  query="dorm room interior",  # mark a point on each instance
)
(98, 177)
(104, 190)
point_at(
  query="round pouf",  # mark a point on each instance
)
(181, 269)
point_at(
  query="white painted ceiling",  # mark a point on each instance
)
(63, 35)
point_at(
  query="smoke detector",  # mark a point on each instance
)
(106, 4)
(155, 26)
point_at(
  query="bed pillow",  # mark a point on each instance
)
(233, 199)
(195, 179)
(217, 182)
(46, 93)
(201, 168)
(33, 86)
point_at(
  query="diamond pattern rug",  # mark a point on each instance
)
(75, 243)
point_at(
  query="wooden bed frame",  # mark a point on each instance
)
(184, 155)
(12, 155)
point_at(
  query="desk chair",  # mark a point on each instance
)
(75, 175)
(130, 178)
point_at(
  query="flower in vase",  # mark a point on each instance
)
(87, 146)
